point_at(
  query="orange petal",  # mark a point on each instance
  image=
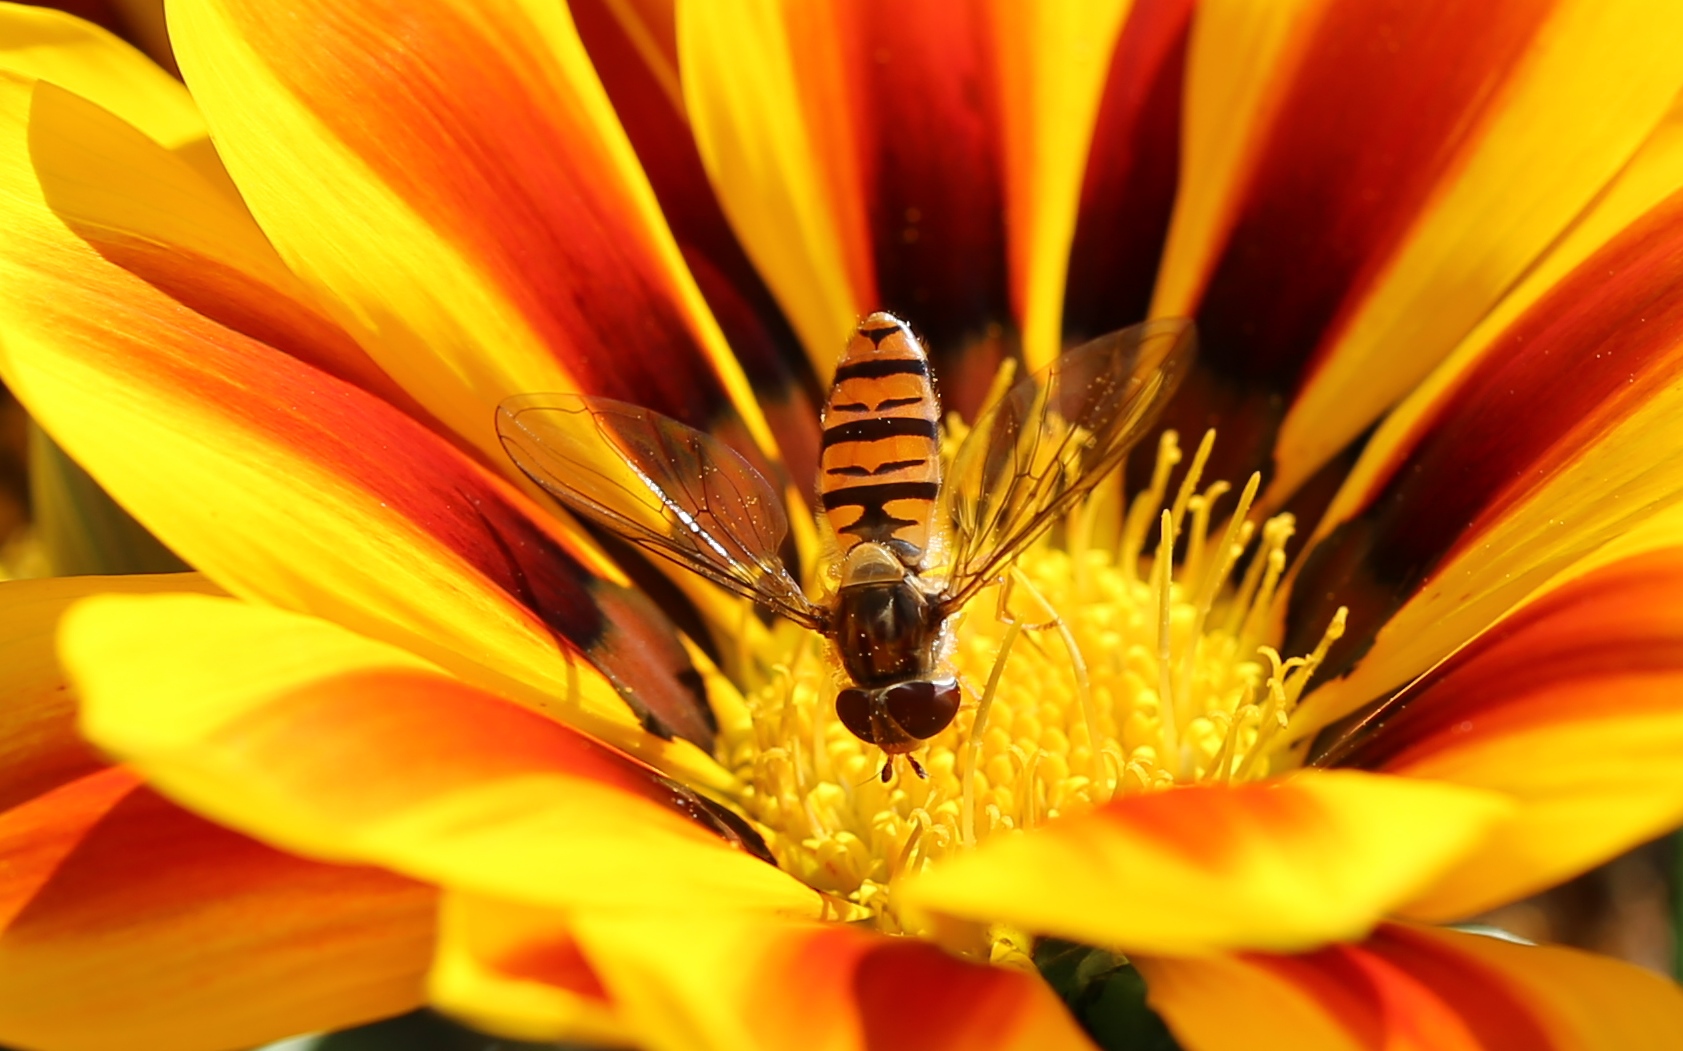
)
(517, 971)
(39, 746)
(126, 922)
(1411, 989)
(504, 241)
(1280, 865)
(1574, 707)
(1128, 190)
(755, 984)
(1341, 277)
(296, 731)
(634, 49)
(1550, 431)
(204, 433)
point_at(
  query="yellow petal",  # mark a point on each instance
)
(467, 202)
(301, 734)
(1597, 78)
(39, 746)
(1241, 55)
(202, 427)
(1053, 61)
(786, 180)
(1285, 865)
(1573, 707)
(746, 983)
(80, 57)
(1550, 431)
(126, 922)
(516, 971)
(1414, 989)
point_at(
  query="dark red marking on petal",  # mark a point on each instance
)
(1386, 986)
(931, 165)
(758, 333)
(443, 111)
(1593, 349)
(557, 962)
(380, 451)
(1387, 97)
(1618, 622)
(957, 1003)
(1129, 189)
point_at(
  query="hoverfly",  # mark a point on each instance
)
(912, 547)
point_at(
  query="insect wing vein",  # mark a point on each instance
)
(1050, 440)
(660, 485)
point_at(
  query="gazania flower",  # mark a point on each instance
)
(414, 736)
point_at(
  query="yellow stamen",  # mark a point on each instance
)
(1160, 676)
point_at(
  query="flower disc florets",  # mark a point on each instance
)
(1101, 666)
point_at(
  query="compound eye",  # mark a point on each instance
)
(853, 708)
(922, 709)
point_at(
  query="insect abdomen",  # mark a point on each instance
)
(880, 469)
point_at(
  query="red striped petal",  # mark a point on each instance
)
(1572, 706)
(1547, 434)
(1410, 989)
(751, 983)
(927, 119)
(505, 241)
(893, 186)
(306, 736)
(635, 53)
(274, 478)
(126, 922)
(1403, 168)
(1129, 188)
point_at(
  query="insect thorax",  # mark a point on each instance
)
(886, 628)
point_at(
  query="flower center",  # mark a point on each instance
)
(1101, 666)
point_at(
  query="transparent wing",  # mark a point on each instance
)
(1050, 440)
(665, 487)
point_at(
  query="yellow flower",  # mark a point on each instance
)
(412, 736)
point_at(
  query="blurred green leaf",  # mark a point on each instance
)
(1105, 993)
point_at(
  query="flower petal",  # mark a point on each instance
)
(782, 161)
(126, 922)
(1410, 989)
(504, 239)
(1574, 707)
(203, 432)
(1128, 191)
(518, 972)
(923, 159)
(337, 747)
(39, 746)
(1282, 865)
(1550, 431)
(741, 983)
(634, 50)
(1057, 64)
(82, 58)
(163, 220)
(1341, 276)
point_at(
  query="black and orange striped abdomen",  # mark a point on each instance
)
(880, 468)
